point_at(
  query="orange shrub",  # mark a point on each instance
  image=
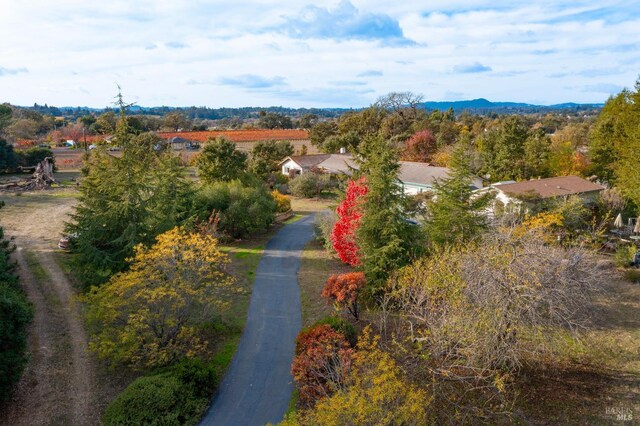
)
(343, 290)
(322, 363)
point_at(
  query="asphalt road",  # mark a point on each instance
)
(258, 385)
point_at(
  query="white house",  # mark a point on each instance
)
(328, 163)
(419, 177)
(536, 190)
(413, 177)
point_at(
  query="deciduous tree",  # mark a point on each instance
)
(421, 147)
(322, 362)
(343, 290)
(148, 316)
(221, 161)
(266, 155)
(343, 235)
(377, 392)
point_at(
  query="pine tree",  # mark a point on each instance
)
(125, 201)
(456, 213)
(385, 238)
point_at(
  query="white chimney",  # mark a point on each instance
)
(343, 150)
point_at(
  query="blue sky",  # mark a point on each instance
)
(323, 54)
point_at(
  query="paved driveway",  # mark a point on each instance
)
(258, 385)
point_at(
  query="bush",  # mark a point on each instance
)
(344, 289)
(15, 316)
(155, 400)
(325, 221)
(322, 362)
(341, 326)
(200, 377)
(308, 185)
(632, 275)
(8, 158)
(33, 156)
(377, 392)
(624, 255)
(283, 202)
(243, 210)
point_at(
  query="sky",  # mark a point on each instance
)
(322, 54)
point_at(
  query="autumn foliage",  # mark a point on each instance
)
(343, 291)
(343, 235)
(322, 362)
(420, 147)
(283, 202)
(148, 316)
(377, 392)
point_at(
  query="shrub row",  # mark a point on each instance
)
(15, 316)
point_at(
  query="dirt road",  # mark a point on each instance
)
(57, 386)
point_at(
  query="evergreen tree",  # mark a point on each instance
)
(502, 149)
(615, 143)
(15, 316)
(606, 132)
(456, 213)
(536, 154)
(8, 158)
(125, 201)
(386, 240)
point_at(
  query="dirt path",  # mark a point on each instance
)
(57, 386)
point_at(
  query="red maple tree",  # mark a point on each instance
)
(343, 290)
(323, 359)
(343, 235)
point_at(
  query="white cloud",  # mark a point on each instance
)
(252, 52)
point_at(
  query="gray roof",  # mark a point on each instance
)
(421, 173)
(338, 163)
(410, 172)
(178, 139)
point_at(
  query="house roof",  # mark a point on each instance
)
(307, 161)
(338, 163)
(410, 172)
(421, 173)
(177, 139)
(252, 135)
(550, 187)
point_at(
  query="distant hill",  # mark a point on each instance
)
(484, 106)
(475, 106)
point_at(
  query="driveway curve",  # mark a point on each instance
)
(258, 385)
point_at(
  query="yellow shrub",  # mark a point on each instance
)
(283, 201)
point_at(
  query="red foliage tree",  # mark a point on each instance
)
(323, 359)
(343, 235)
(343, 290)
(421, 147)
